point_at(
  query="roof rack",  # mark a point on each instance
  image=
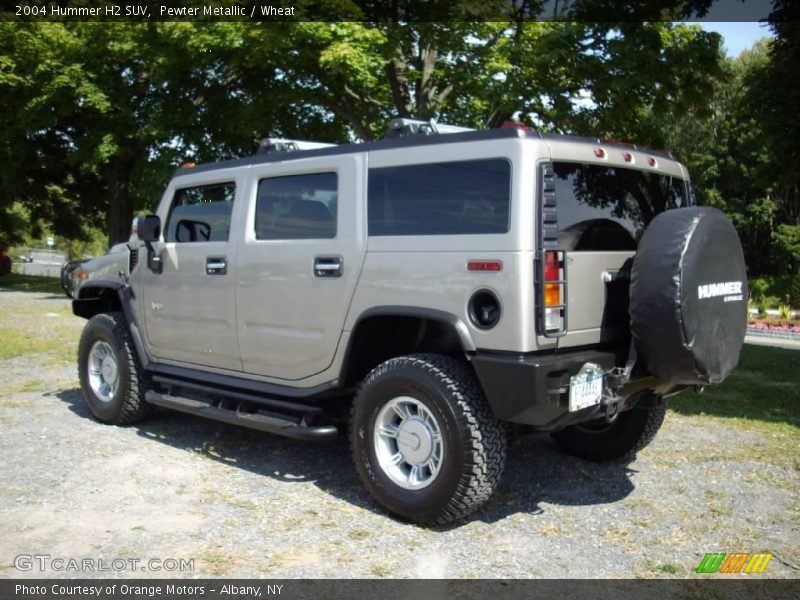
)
(406, 127)
(269, 145)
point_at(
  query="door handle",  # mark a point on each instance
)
(216, 265)
(328, 266)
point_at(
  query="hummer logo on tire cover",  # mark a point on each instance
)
(732, 290)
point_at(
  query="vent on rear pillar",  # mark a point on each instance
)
(548, 214)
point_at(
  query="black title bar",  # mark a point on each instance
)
(720, 587)
(384, 11)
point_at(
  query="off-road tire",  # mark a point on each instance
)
(128, 404)
(599, 441)
(474, 441)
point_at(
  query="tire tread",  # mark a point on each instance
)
(623, 440)
(134, 407)
(485, 443)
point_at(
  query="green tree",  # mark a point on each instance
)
(741, 160)
(777, 96)
(95, 113)
(95, 116)
(616, 79)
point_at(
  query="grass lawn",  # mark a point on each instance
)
(762, 396)
(38, 327)
(30, 283)
(765, 387)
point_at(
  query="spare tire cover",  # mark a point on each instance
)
(688, 296)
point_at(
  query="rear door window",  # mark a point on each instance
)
(608, 208)
(297, 207)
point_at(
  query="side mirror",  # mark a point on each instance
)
(148, 228)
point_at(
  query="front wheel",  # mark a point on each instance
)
(600, 441)
(424, 440)
(112, 380)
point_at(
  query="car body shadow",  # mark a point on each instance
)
(536, 473)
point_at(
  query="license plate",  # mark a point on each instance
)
(585, 388)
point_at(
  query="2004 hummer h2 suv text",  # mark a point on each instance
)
(419, 292)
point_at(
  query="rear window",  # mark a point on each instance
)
(608, 208)
(449, 198)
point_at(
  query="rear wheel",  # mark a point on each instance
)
(600, 441)
(112, 380)
(424, 440)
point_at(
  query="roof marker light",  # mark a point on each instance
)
(514, 125)
(599, 152)
(617, 142)
(627, 156)
(651, 161)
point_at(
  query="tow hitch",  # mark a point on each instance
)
(615, 380)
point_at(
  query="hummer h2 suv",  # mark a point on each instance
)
(419, 293)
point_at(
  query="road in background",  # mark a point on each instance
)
(775, 342)
(46, 263)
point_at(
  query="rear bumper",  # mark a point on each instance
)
(534, 389)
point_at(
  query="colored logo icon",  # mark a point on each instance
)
(736, 562)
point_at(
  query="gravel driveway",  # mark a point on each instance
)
(245, 504)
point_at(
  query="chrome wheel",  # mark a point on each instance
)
(103, 371)
(408, 443)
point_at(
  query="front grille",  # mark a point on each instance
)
(133, 260)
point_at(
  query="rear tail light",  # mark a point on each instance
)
(552, 291)
(550, 266)
(554, 300)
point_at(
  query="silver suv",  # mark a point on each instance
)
(420, 292)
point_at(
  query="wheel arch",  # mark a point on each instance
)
(97, 297)
(385, 332)
(106, 296)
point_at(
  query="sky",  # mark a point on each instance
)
(738, 35)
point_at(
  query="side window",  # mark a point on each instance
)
(297, 207)
(448, 198)
(201, 214)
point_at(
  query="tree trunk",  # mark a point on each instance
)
(120, 205)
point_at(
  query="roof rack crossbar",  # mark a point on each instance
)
(269, 145)
(406, 127)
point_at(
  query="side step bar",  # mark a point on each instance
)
(285, 427)
(277, 404)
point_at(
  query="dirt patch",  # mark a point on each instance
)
(246, 504)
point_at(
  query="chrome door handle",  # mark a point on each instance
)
(328, 266)
(216, 265)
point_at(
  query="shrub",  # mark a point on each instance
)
(761, 304)
(758, 287)
(776, 290)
